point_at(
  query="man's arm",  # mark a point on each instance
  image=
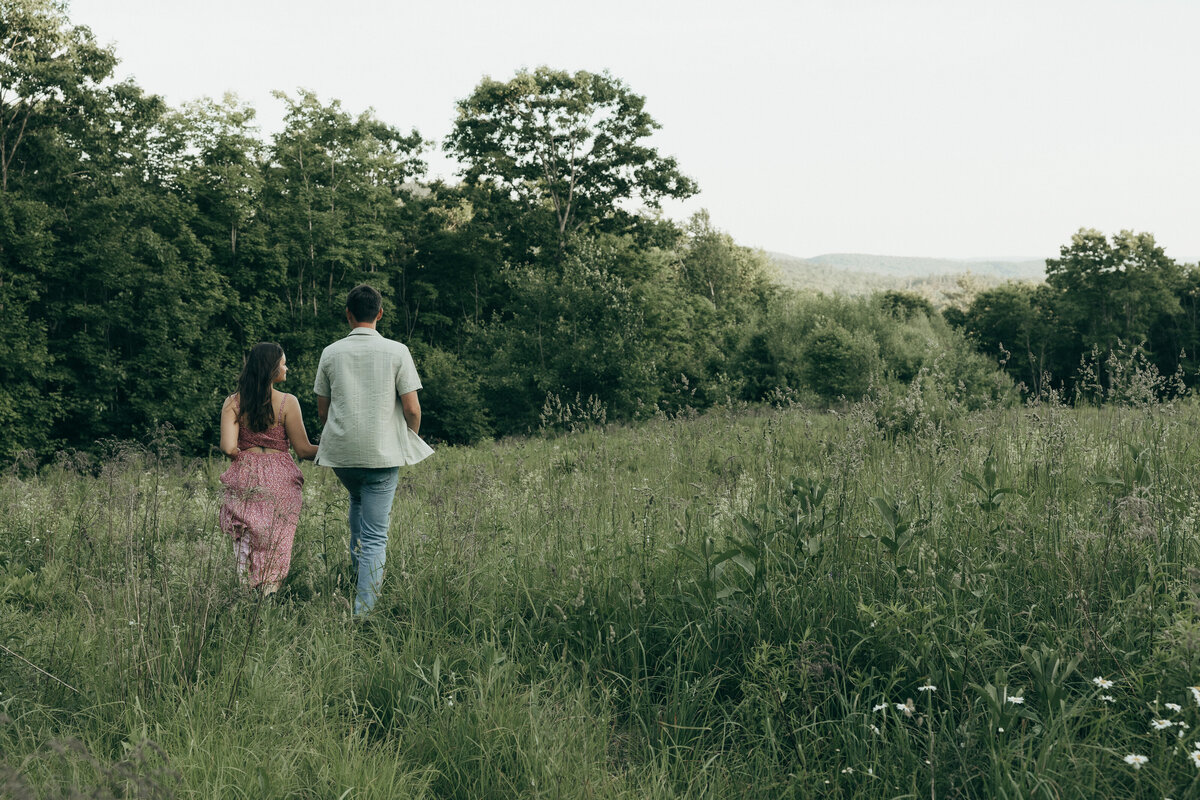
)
(322, 409)
(411, 408)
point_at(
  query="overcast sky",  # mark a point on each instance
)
(899, 127)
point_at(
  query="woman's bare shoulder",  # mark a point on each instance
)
(284, 400)
(230, 402)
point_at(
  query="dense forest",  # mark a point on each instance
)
(144, 248)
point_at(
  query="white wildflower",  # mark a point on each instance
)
(1016, 700)
(1195, 693)
(1104, 683)
(1136, 761)
(880, 707)
(848, 771)
(929, 687)
(1161, 724)
(1195, 757)
(1174, 707)
(1108, 698)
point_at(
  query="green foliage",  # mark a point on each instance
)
(451, 400)
(838, 363)
(740, 605)
(571, 141)
(1101, 295)
(144, 249)
(905, 304)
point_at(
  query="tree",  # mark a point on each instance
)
(1016, 319)
(574, 142)
(333, 183)
(839, 363)
(716, 268)
(1109, 292)
(215, 159)
(49, 74)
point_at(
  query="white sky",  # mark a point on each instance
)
(900, 127)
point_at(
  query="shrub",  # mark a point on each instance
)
(452, 405)
(838, 363)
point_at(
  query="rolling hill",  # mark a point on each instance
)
(942, 281)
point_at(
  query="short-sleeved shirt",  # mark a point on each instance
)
(363, 375)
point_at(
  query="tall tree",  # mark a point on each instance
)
(331, 187)
(573, 142)
(50, 73)
(219, 160)
(1014, 323)
(1112, 290)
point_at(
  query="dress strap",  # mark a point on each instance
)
(279, 416)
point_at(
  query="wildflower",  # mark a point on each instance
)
(1016, 700)
(875, 730)
(848, 771)
(907, 707)
(880, 707)
(1136, 761)
(1174, 707)
(1161, 724)
(1195, 693)
(1195, 757)
(1001, 730)
(1108, 698)
(1103, 683)
(871, 771)
(929, 687)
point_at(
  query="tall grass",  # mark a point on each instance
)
(878, 602)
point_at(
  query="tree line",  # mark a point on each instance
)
(1106, 301)
(144, 248)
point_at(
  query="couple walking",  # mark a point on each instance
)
(366, 390)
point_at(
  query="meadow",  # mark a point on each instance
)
(874, 602)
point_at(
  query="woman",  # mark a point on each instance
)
(262, 486)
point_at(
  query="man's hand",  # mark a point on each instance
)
(322, 409)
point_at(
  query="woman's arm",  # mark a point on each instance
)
(293, 423)
(229, 427)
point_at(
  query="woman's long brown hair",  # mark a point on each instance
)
(257, 412)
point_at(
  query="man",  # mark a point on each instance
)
(367, 401)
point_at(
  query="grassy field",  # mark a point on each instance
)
(758, 604)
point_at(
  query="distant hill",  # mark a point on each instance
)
(942, 281)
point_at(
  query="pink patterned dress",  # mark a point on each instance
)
(262, 503)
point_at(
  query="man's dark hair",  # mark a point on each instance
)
(364, 302)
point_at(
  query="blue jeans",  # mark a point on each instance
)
(371, 494)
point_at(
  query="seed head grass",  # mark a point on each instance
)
(789, 602)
